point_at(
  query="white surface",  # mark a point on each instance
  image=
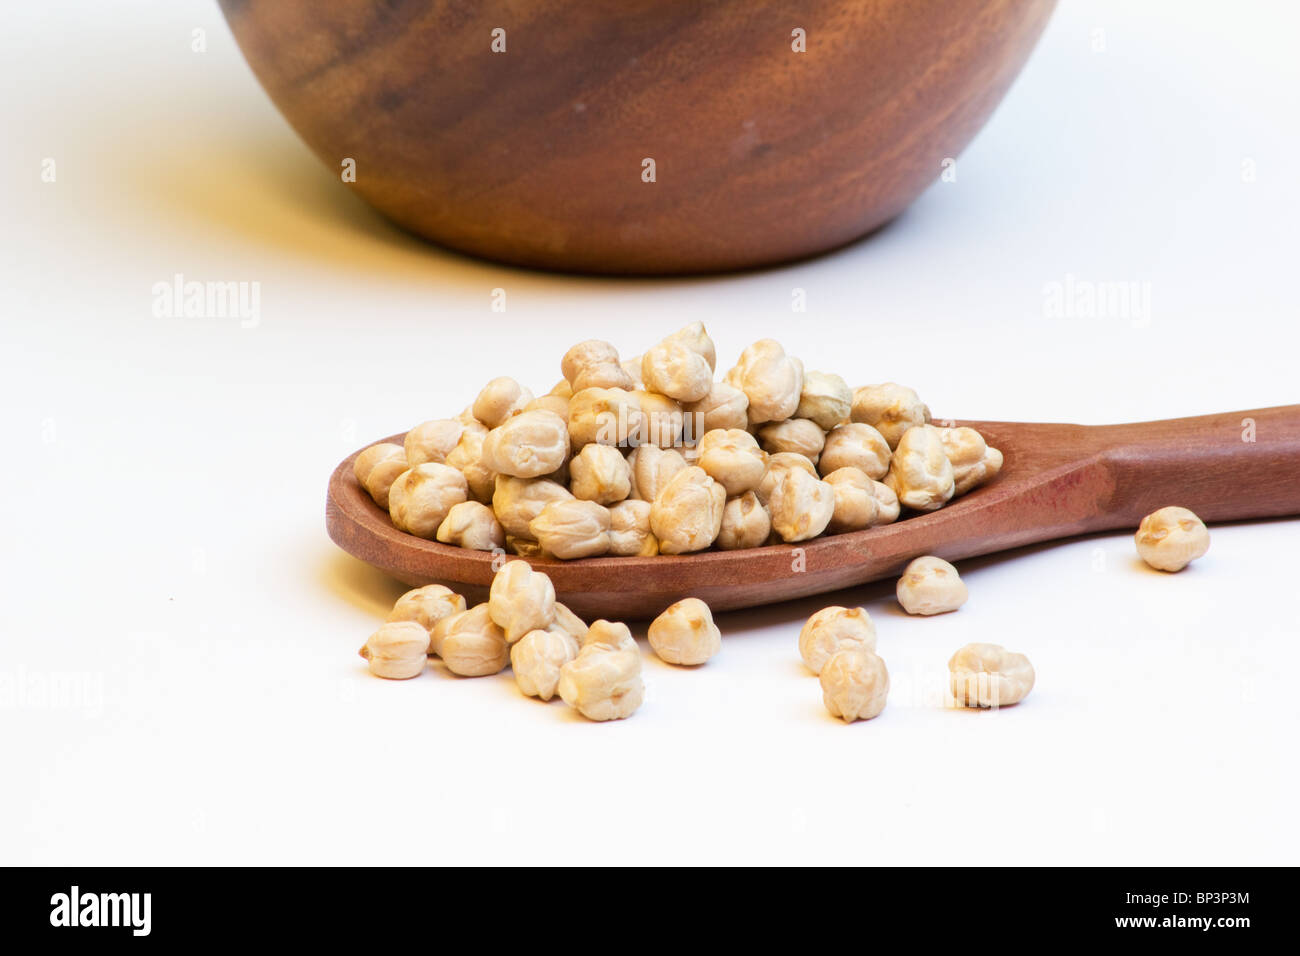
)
(164, 548)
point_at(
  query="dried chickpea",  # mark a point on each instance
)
(604, 681)
(633, 368)
(833, 629)
(629, 529)
(662, 420)
(801, 505)
(524, 547)
(472, 525)
(1171, 538)
(696, 338)
(732, 458)
(521, 600)
(825, 399)
(889, 408)
(987, 675)
(855, 445)
(777, 465)
(427, 606)
(724, 407)
(537, 658)
(652, 468)
(594, 364)
(675, 369)
(517, 501)
(855, 685)
(432, 441)
(973, 462)
(685, 633)
(887, 506)
(856, 506)
(572, 529)
(466, 418)
(601, 474)
(562, 389)
(397, 650)
(378, 467)
(687, 514)
(931, 585)
(500, 399)
(471, 644)
(421, 496)
(606, 416)
(745, 523)
(798, 435)
(467, 458)
(555, 404)
(919, 472)
(527, 445)
(770, 379)
(570, 623)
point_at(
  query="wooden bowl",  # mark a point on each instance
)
(535, 155)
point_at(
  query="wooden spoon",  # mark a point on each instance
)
(1057, 481)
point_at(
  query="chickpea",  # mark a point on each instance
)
(471, 644)
(397, 650)
(919, 472)
(685, 633)
(798, 435)
(377, 468)
(745, 523)
(432, 441)
(500, 399)
(696, 338)
(527, 445)
(733, 459)
(931, 585)
(517, 501)
(472, 525)
(856, 506)
(687, 514)
(604, 681)
(606, 416)
(662, 420)
(555, 404)
(674, 369)
(887, 506)
(420, 498)
(826, 400)
(629, 529)
(524, 547)
(633, 368)
(601, 474)
(833, 629)
(1171, 538)
(770, 379)
(594, 364)
(890, 408)
(777, 465)
(570, 623)
(801, 505)
(427, 606)
(973, 462)
(724, 407)
(467, 458)
(537, 659)
(855, 685)
(855, 445)
(572, 529)
(987, 675)
(652, 468)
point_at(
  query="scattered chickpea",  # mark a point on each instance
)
(521, 600)
(427, 606)
(685, 633)
(833, 629)
(537, 658)
(629, 529)
(745, 523)
(471, 644)
(572, 529)
(696, 338)
(674, 369)
(397, 650)
(855, 684)
(1171, 538)
(826, 400)
(770, 379)
(378, 467)
(594, 364)
(931, 585)
(687, 514)
(500, 398)
(604, 681)
(601, 474)
(421, 497)
(987, 675)
(570, 623)
(890, 408)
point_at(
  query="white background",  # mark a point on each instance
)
(164, 552)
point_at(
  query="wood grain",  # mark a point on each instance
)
(1058, 481)
(533, 156)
